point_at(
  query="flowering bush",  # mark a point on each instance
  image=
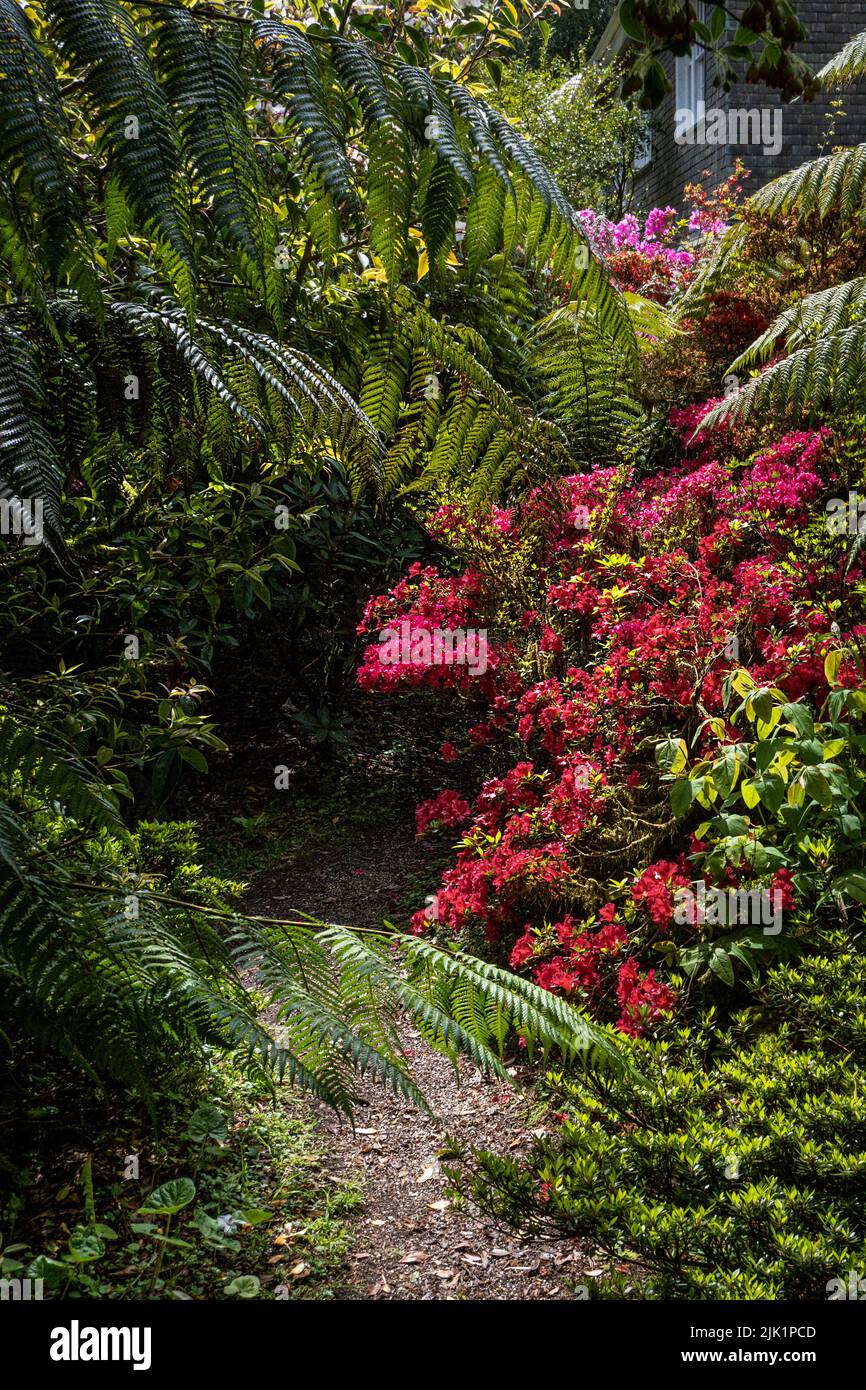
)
(642, 259)
(658, 257)
(619, 611)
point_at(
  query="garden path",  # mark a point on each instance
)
(409, 1240)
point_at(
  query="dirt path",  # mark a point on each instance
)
(409, 1241)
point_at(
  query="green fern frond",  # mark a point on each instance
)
(389, 195)
(424, 96)
(484, 218)
(29, 463)
(166, 318)
(824, 338)
(361, 74)
(205, 84)
(31, 766)
(32, 131)
(847, 65)
(439, 194)
(451, 994)
(589, 383)
(524, 157)
(832, 183)
(101, 40)
(23, 259)
(296, 78)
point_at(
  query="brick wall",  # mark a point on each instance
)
(804, 124)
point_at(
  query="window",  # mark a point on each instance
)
(643, 152)
(690, 79)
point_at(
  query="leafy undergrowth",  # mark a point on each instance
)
(226, 1201)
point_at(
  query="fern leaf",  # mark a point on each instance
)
(847, 65)
(296, 78)
(389, 195)
(29, 462)
(205, 84)
(100, 38)
(32, 131)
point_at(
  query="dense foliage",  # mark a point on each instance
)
(310, 359)
(254, 267)
(731, 1166)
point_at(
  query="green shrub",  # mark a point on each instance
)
(729, 1165)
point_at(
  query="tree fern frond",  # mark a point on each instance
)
(296, 78)
(57, 775)
(100, 38)
(522, 155)
(439, 127)
(470, 985)
(833, 182)
(484, 218)
(847, 65)
(363, 77)
(475, 115)
(389, 195)
(29, 463)
(824, 379)
(32, 130)
(440, 195)
(205, 84)
(168, 319)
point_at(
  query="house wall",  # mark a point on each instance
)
(804, 127)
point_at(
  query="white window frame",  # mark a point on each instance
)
(644, 151)
(690, 78)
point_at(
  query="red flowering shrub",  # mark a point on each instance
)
(615, 610)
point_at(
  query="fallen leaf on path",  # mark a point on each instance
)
(417, 1257)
